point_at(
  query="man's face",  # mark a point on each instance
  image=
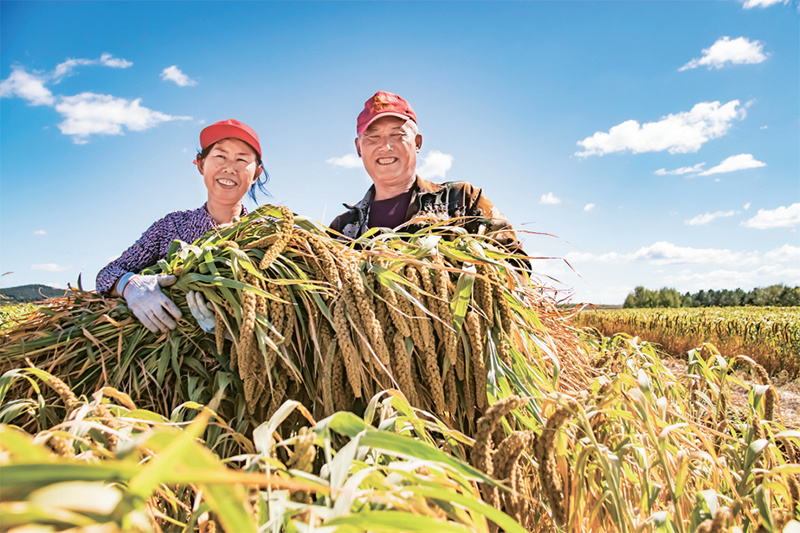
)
(389, 149)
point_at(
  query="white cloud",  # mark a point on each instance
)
(749, 4)
(785, 254)
(65, 69)
(726, 279)
(114, 62)
(705, 218)
(50, 267)
(174, 74)
(734, 163)
(346, 161)
(781, 217)
(746, 206)
(39, 232)
(680, 171)
(549, 199)
(27, 86)
(739, 51)
(435, 164)
(589, 207)
(665, 253)
(88, 114)
(680, 133)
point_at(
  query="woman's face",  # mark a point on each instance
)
(229, 170)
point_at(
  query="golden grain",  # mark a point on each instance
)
(348, 351)
(62, 446)
(476, 361)
(548, 469)
(401, 365)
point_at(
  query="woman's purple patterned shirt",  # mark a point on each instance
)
(188, 226)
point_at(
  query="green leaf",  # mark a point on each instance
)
(461, 298)
(497, 516)
(83, 496)
(395, 521)
(20, 446)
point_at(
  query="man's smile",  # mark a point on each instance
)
(386, 160)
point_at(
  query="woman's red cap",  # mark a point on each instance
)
(231, 128)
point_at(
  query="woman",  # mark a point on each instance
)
(230, 162)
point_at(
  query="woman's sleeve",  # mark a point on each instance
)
(151, 246)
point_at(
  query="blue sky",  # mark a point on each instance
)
(642, 143)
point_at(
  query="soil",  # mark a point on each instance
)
(788, 406)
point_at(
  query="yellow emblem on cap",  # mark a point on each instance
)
(379, 103)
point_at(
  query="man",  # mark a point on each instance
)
(388, 142)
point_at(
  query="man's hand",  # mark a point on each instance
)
(153, 309)
(201, 311)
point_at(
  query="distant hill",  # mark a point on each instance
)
(29, 293)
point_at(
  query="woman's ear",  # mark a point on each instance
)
(200, 162)
(259, 170)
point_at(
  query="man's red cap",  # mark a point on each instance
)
(231, 128)
(383, 104)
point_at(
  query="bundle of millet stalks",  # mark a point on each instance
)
(447, 318)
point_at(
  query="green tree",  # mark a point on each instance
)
(668, 298)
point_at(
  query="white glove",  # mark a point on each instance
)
(153, 309)
(201, 311)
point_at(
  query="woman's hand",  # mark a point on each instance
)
(153, 309)
(201, 311)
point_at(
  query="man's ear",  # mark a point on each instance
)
(418, 141)
(358, 147)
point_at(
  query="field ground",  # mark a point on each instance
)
(788, 392)
(767, 335)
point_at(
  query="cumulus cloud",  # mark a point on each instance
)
(785, 254)
(589, 207)
(734, 163)
(346, 161)
(50, 267)
(781, 217)
(65, 69)
(435, 164)
(705, 218)
(88, 114)
(681, 171)
(761, 276)
(114, 62)
(666, 253)
(175, 75)
(27, 86)
(739, 51)
(549, 199)
(679, 133)
(39, 232)
(749, 4)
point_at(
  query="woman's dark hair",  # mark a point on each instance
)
(261, 183)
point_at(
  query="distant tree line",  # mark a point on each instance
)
(774, 295)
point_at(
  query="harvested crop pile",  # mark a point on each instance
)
(438, 315)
